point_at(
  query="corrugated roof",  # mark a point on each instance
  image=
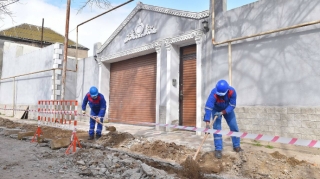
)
(32, 33)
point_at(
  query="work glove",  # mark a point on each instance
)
(83, 112)
(97, 119)
(207, 127)
(218, 114)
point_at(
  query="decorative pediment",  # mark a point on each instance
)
(140, 6)
(139, 31)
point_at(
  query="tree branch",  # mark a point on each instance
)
(103, 4)
(4, 10)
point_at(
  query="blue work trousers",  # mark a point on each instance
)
(93, 125)
(232, 123)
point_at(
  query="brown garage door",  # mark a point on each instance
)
(188, 86)
(133, 89)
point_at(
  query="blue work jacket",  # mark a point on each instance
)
(224, 104)
(98, 106)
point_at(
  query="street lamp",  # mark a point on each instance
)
(205, 26)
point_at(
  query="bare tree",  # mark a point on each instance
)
(4, 10)
(104, 4)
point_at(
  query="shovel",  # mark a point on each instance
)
(205, 137)
(108, 128)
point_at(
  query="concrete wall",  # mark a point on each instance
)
(22, 59)
(81, 53)
(87, 76)
(275, 75)
(1, 55)
(21, 49)
(71, 51)
(276, 70)
(17, 63)
(71, 80)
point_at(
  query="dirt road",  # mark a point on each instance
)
(21, 159)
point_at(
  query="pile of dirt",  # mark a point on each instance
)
(205, 163)
(8, 124)
(290, 160)
(277, 155)
(114, 139)
(293, 162)
(111, 128)
(210, 164)
(275, 165)
(47, 131)
(191, 169)
(163, 150)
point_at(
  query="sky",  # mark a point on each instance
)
(99, 29)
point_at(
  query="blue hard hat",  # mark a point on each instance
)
(222, 87)
(93, 91)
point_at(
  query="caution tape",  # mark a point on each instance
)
(262, 137)
(267, 138)
(56, 112)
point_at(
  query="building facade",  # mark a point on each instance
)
(160, 66)
(141, 63)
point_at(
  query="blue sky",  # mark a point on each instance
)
(188, 5)
(98, 30)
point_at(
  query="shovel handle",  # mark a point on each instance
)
(205, 137)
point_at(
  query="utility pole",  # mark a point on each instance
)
(42, 33)
(65, 58)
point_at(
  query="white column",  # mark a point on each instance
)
(198, 39)
(158, 86)
(172, 112)
(99, 82)
(168, 108)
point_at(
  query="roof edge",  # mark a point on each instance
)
(33, 40)
(37, 41)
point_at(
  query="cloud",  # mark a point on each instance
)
(97, 30)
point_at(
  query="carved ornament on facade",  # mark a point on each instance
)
(139, 31)
(193, 15)
(142, 48)
(195, 34)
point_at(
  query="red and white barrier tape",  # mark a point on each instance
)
(268, 138)
(55, 112)
(278, 139)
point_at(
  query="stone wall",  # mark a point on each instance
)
(296, 122)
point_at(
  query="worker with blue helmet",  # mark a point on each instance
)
(98, 107)
(221, 102)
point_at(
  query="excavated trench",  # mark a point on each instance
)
(123, 155)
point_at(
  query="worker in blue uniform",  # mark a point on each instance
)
(98, 107)
(221, 102)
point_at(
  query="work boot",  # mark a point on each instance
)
(237, 149)
(98, 137)
(218, 154)
(91, 137)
